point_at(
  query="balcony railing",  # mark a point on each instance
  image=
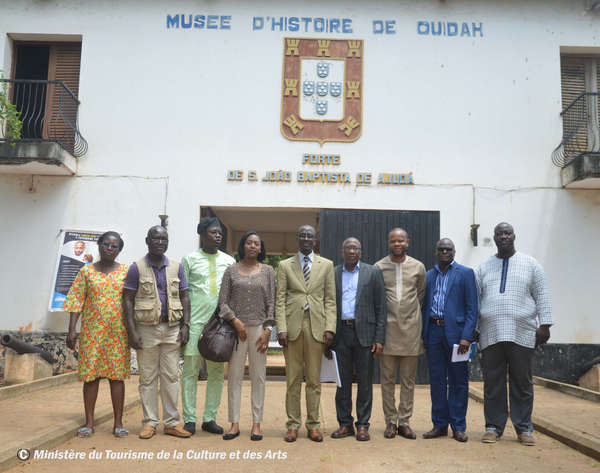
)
(48, 112)
(581, 133)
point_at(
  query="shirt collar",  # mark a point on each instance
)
(301, 255)
(165, 262)
(208, 255)
(437, 267)
(356, 268)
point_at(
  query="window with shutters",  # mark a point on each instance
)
(580, 82)
(45, 91)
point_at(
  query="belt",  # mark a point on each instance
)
(439, 322)
(349, 322)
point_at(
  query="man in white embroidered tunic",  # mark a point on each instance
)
(515, 317)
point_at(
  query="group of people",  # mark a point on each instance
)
(391, 311)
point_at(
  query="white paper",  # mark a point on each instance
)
(329, 370)
(457, 356)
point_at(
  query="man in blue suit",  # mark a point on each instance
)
(449, 318)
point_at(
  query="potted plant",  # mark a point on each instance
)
(10, 125)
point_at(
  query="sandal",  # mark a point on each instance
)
(120, 432)
(84, 432)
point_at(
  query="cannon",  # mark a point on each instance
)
(21, 347)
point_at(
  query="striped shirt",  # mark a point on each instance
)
(513, 300)
(440, 291)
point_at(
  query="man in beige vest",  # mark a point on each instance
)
(405, 282)
(305, 313)
(157, 307)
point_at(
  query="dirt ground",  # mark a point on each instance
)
(209, 452)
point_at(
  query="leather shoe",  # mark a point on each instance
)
(229, 436)
(177, 431)
(435, 433)
(315, 435)
(291, 435)
(390, 431)
(147, 432)
(490, 436)
(460, 436)
(526, 439)
(190, 427)
(406, 432)
(342, 432)
(362, 434)
(212, 427)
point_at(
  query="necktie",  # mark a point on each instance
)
(306, 269)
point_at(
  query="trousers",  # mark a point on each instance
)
(303, 357)
(389, 365)
(496, 360)
(158, 359)
(258, 371)
(351, 355)
(448, 381)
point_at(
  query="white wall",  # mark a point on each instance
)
(474, 119)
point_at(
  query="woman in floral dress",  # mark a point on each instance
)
(103, 346)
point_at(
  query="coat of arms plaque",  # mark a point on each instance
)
(322, 89)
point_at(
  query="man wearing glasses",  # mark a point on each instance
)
(306, 316)
(449, 319)
(157, 308)
(359, 337)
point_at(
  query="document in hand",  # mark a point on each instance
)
(458, 357)
(329, 370)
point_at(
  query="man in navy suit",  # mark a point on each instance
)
(449, 318)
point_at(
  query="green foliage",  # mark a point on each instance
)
(9, 116)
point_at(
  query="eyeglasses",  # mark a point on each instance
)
(110, 246)
(306, 236)
(352, 248)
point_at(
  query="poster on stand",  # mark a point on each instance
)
(77, 248)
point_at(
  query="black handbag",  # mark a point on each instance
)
(218, 339)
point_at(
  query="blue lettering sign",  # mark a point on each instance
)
(211, 22)
(173, 21)
(184, 24)
(319, 25)
(446, 28)
(452, 29)
(187, 21)
(275, 23)
(199, 21)
(308, 24)
(258, 23)
(423, 27)
(346, 25)
(384, 26)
